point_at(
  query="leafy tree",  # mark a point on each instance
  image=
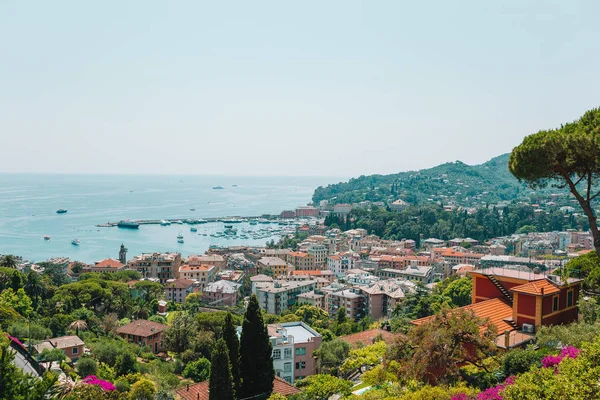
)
(256, 364)
(30, 330)
(150, 289)
(366, 356)
(459, 291)
(233, 347)
(9, 261)
(18, 300)
(179, 336)
(518, 361)
(77, 267)
(125, 363)
(142, 390)
(341, 315)
(34, 288)
(564, 157)
(434, 350)
(221, 386)
(574, 334)
(198, 370)
(52, 355)
(586, 267)
(322, 387)
(332, 355)
(87, 366)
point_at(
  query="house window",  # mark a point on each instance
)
(276, 354)
(569, 298)
(555, 303)
(287, 353)
(301, 365)
(300, 351)
(287, 367)
(74, 350)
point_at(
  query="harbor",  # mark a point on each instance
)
(193, 221)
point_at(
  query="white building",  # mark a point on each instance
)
(340, 263)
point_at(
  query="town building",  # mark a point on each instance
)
(278, 266)
(418, 274)
(460, 241)
(398, 205)
(301, 261)
(313, 298)
(340, 263)
(382, 297)
(221, 293)
(457, 257)
(287, 214)
(307, 211)
(351, 299)
(144, 333)
(161, 266)
(106, 265)
(216, 260)
(279, 296)
(72, 346)
(177, 290)
(308, 275)
(202, 274)
(319, 253)
(342, 210)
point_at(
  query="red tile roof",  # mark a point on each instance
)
(179, 284)
(495, 309)
(109, 262)
(367, 337)
(142, 327)
(536, 287)
(199, 391)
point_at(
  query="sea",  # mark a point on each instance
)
(28, 204)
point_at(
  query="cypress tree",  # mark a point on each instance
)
(256, 364)
(220, 385)
(233, 346)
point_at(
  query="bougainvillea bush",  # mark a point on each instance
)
(94, 380)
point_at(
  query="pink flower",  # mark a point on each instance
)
(495, 393)
(566, 352)
(104, 385)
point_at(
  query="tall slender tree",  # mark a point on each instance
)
(220, 385)
(256, 364)
(233, 346)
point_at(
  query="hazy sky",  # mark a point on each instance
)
(336, 88)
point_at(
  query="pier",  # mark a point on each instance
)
(270, 218)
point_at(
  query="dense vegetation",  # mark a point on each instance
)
(434, 221)
(467, 185)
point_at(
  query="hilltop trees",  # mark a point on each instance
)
(256, 365)
(233, 348)
(564, 157)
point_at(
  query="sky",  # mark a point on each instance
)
(331, 88)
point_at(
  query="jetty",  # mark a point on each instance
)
(187, 220)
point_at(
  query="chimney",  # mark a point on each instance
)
(507, 339)
(187, 387)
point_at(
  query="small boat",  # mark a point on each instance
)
(46, 237)
(75, 242)
(164, 222)
(128, 224)
(179, 240)
(192, 209)
(180, 236)
(192, 229)
(228, 226)
(234, 185)
(218, 187)
(253, 222)
(61, 211)
(178, 222)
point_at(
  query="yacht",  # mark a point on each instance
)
(75, 242)
(61, 211)
(178, 222)
(164, 222)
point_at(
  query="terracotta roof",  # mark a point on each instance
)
(109, 262)
(536, 288)
(315, 272)
(179, 284)
(298, 254)
(199, 391)
(495, 309)
(196, 267)
(366, 337)
(142, 327)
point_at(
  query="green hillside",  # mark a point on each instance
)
(467, 185)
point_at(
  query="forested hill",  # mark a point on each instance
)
(467, 185)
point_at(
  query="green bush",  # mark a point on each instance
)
(87, 366)
(198, 370)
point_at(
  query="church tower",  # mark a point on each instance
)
(123, 254)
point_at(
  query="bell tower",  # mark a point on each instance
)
(123, 254)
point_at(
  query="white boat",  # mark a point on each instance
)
(46, 237)
(164, 222)
(75, 242)
(179, 240)
(178, 222)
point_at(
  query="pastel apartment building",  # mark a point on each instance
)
(177, 290)
(144, 333)
(351, 299)
(216, 260)
(160, 266)
(106, 265)
(301, 261)
(307, 212)
(423, 275)
(294, 344)
(222, 293)
(340, 263)
(202, 274)
(278, 296)
(279, 267)
(382, 297)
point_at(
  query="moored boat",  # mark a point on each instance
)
(128, 224)
(192, 229)
(46, 237)
(61, 211)
(75, 242)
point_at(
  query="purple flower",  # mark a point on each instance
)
(570, 351)
(17, 341)
(104, 385)
(566, 352)
(551, 361)
(495, 393)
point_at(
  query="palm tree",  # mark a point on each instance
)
(34, 287)
(9, 261)
(77, 325)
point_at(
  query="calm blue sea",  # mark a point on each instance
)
(28, 205)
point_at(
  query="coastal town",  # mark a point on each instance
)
(516, 282)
